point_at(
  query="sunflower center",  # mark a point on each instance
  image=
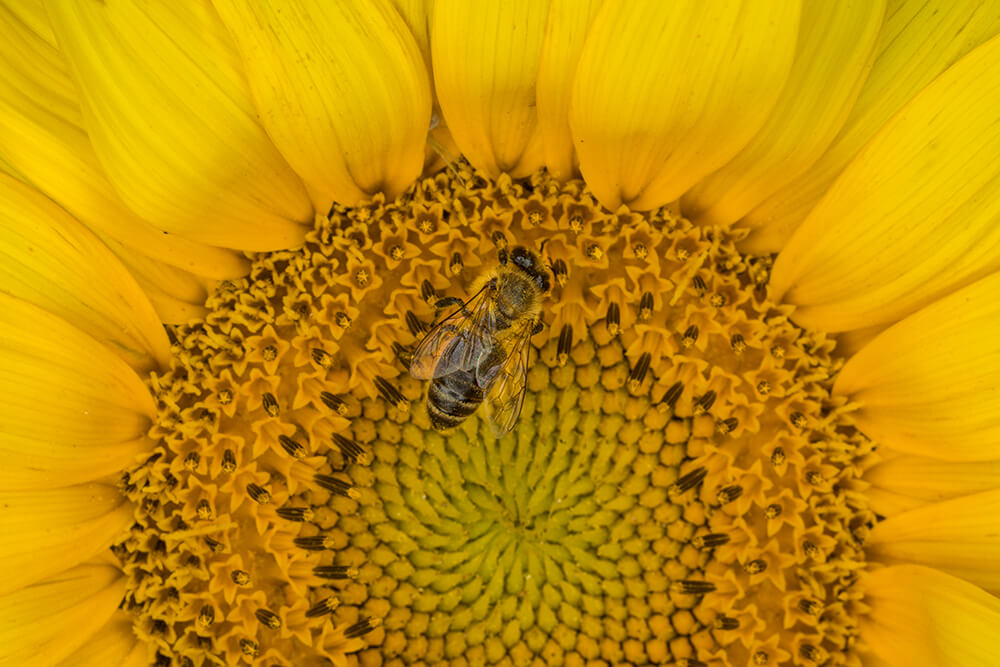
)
(679, 483)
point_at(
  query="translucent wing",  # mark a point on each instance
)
(506, 381)
(458, 341)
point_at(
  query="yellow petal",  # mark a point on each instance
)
(835, 51)
(51, 260)
(31, 463)
(920, 617)
(917, 480)
(46, 623)
(170, 117)
(486, 58)
(959, 536)
(668, 92)
(45, 143)
(417, 15)
(920, 39)
(58, 384)
(928, 385)
(342, 90)
(48, 531)
(114, 644)
(568, 24)
(913, 217)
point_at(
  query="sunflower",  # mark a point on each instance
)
(759, 421)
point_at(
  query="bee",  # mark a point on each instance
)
(479, 352)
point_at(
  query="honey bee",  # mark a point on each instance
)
(479, 353)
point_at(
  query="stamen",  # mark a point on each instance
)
(228, 461)
(729, 494)
(692, 587)
(335, 572)
(565, 344)
(638, 373)
(646, 306)
(698, 283)
(258, 493)
(324, 606)
(270, 403)
(669, 399)
(192, 460)
(811, 607)
(293, 447)
(362, 627)
(391, 394)
(777, 456)
(416, 326)
(350, 449)
(772, 511)
(560, 272)
(613, 319)
(316, 543)
(687, 482)
(690, 337)
(342, 320)
(427, 291)
(727, 425)
(755, 566)
(240, 577)
(206, 616)
(726, 623)
(760, 658)
(334, 402)
(704, 402)
(737, 343)
(322, 358)
(295, 513)
(268, 618)
(249, 647)
(456, 264)
(709, 541)
(337, 486)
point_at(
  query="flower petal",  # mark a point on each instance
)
(485, 57)
(46, 623)
(32, 463)
(913, 217)
(915, 481)
(59, 384)
(959, 536)
(48, 531)
(568, 24)
(114, 644)
(928, 385)
(342, 90)
(662, 89)
(44, 142)
(920, 617)
(835, 51)
(171, 120)
(920, 39)
(51, 260)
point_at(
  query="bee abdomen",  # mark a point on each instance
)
(452, 398)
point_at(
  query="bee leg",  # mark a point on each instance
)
(537, 328)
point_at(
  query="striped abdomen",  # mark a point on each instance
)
(451, 398)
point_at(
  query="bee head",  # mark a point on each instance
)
(531, 264)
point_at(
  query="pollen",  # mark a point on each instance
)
(679, 487)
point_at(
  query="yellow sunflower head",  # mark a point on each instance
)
(507, 333)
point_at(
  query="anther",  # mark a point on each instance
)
(335, 572)
(727, 425)
(228, 461)
(258, 493)
(390, 393)
(798, 420)
(691, 587)
(192, 460)
(362, 627)
(456, 265)
(645, 306)
(499, 240)
(293, 447)
(337, 486)
(324, 606)
(396, 252)
(565, 344)
(812, 653)
(717, 300)
(334, 402)
(704, 402)
(709, 541)
(690, 662)
(729, 494)
(640, 250)
(350, 449)
(295, 513)
(204, 510)
(726, 623)
(269, 353)
(777, 456)
(760, 658)
(361, 277)
(576, 223)
(699, 285)
(737, 343)
(814, 478)
(270, 403)
(687, 482)
(206, 616)
(613, 319)
(772, 511)
(778, 352)
(225, 397)
(690, 336)
(811, 607)
(215, 545)
(342, 320)
(249, 647)
(404, 353)
(415, 324)
(594, 252)
(810, 549)
(240, 577)
(763, 387)
(560, 272)
(638, 373)
(322, 358)
(427, 292)
(669, 400)
(317, 543)
(755, 566)
(268, 618)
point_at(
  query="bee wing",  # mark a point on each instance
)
(507, 382)
(458, 341)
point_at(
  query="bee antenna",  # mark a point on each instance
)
(443, 153)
